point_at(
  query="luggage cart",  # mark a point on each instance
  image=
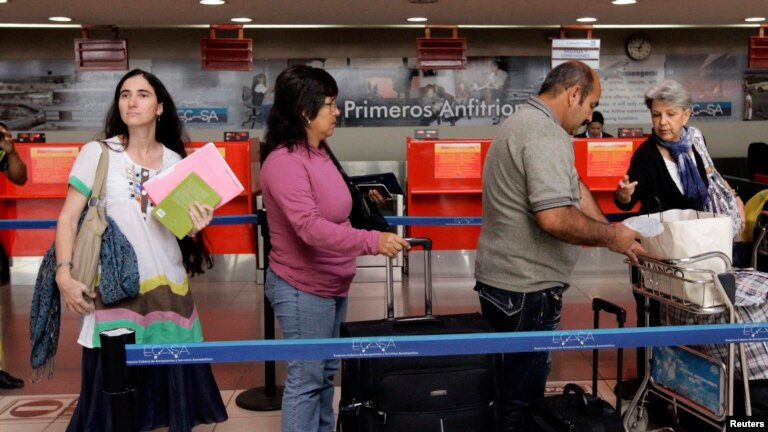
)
(682, 376)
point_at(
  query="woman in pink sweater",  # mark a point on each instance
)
(312, 261)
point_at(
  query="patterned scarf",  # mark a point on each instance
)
(694, 187)
(119, 275)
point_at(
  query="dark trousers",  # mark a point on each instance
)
(524, 375)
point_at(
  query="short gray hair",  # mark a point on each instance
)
(670, 92)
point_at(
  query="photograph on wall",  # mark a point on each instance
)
(756, 96)
(48, 95)
(715, 83)
(393, 92)
(373, 92)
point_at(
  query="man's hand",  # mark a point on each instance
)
(6, 144)
(625, 242)
(625, 189)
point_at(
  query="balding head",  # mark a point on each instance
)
(572, 91)
(567, 75)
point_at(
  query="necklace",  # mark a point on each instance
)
(136, 175)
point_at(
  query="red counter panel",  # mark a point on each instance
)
(445, 179)
(601, 163)
(48, 167)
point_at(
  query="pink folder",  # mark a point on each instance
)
(206, 162)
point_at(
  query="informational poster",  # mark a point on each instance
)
(458, 160)
(608, 159)
(624, 83)
(690, 375)
(51, 165)
(584, 50)
(373, 92)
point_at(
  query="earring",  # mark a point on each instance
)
(309, 121)
(158, 118)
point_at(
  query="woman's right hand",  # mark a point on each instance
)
(625, 189)
(390, 244)
(74, 294)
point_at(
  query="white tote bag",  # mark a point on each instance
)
(688, 233)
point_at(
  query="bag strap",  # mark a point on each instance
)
(658, 204)
(335, 161)
(661, 210)
(98, 191)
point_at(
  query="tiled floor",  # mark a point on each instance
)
(230, 304)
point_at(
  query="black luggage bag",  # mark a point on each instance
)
(454, 393)
(576, 410)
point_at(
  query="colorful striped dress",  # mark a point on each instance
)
(177, 396)
(164, 311)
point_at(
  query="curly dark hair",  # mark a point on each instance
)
(170, 132)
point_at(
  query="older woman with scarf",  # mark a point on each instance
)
(674, 166)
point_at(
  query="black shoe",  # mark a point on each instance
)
(8, 381)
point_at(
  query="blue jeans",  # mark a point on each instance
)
(308, 393)
(524, 375)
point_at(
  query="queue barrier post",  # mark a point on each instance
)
(119, 379)
(269, 397)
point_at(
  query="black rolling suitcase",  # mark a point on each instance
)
(576, 410)
(421, 394)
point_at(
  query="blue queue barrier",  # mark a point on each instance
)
(254, 220)
(51, 223)
(269, 350)
(450, 344)
(467, 220)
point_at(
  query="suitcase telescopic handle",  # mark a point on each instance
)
(426, 244)
(599, 304)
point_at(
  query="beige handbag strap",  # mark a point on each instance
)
(98, 190)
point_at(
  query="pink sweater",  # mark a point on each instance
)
(308, 204)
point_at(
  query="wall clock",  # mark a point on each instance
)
(638, 47)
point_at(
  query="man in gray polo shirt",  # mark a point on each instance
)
(536, 213)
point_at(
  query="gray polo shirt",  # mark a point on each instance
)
(529, 168)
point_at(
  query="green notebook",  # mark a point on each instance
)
(173, 210)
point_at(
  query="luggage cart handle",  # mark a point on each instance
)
(701, 257)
